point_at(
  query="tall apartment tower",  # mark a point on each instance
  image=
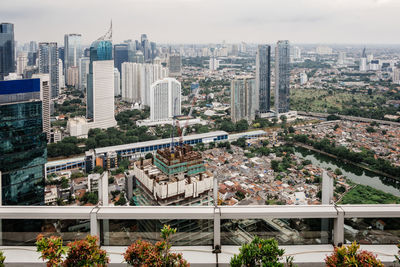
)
(23, 150)
(165, 99)
(137, 79)
(117, 82)
(22, 62)
(100, 88)
(72, 54)
(244, 99)
(175, 65)
(282, 77)
(45, 97)
(48, 63)
(83, 72)
(7, 49)
(263, 77)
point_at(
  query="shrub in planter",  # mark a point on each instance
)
(143, 253)
(397, 256)
(2, 259)
(82, 253)
(85, 253)
(347, 256)
(260, 252)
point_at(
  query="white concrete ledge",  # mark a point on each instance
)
(200, 256)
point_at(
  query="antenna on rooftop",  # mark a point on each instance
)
(108, 35)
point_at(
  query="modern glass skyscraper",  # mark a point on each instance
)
(282, 77)
(121, 55)
(72, 52)
(263, 77)
(7, 47)
(23, 151)
(48, 63)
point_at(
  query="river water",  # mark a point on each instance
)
(353, 173)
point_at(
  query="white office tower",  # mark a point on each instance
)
(323, 50)
(363, 64)
(117, 82)
(49, 63)
(61, 77)
(303, 78)
(103, 95)
(45, 97)
(83, 72)
(137, 79)
(73, 76)
(165, 99)
(396, 76)
(214, 64)
(341, 58)
(22, 62)
(296, 52)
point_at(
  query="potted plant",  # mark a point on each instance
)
(2, 259)
(82, 253)
(143, 253)
(260, 252)
(352, 256)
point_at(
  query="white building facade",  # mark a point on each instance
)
(165, 99)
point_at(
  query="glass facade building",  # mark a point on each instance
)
(23, 146)
(99, 50)
(263, 77)
(72, 52)
(7, 47)
(48, 63)
(282, 77)
(121, 55)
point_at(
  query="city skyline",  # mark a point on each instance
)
(307, 21)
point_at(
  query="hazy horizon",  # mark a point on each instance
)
(340, 22)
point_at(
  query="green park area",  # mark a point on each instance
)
(362, 194)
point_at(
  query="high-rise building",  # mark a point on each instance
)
(213, 64)
(117, 82)
(165, 99)
(341, 58)
(175, 65)
(396, 76)
(23, 151)
(72, 54)
(22, 62)
(83, 72)
(138, 57)
(33, 47)
(61, 76)
(282, 77)
(46, 101)
(263, 77)
(48, 63)
(121, 55)
(73, 76)
(100, 90)
(303, 78)
(137, 79)
(7, 49)
(244, 99)
(145, 45)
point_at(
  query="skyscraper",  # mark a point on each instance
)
(175, 65)
(22, 62)
(165, 99)
(282, 77)
(121, 55)
(72, 54)
(145, 47)
(363, 61)
(263, 77)
(137, 79)
(100, 90)
(83, 72)
(7, 49)
(46, 101)
(244, 99)
(117, 82)
(48, 63)
(23, 152)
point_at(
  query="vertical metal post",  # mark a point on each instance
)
(338, 227)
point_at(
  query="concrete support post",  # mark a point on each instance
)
(94, 223)
(338, 227)
(217, 228)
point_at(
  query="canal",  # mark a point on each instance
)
(353, 173)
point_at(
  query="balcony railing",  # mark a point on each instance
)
(216, 227)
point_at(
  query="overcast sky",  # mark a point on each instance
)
(208, 21)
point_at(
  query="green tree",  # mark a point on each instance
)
(242, 126)
(98, 169)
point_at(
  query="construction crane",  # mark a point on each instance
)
(191, 110)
